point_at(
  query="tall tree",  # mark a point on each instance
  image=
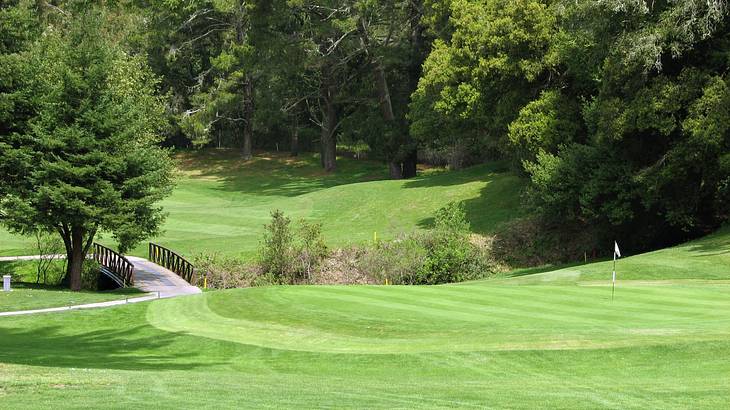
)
(83, 156)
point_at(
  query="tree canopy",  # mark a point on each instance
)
(616, 111)
(81, 154)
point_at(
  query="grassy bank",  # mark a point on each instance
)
(221, 202)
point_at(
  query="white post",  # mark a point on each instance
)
(6, 283)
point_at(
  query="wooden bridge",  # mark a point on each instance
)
(166, 272)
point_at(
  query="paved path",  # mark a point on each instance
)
(86, 306)
(27, 258)
(148, 277)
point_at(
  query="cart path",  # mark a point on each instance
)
(149, 277)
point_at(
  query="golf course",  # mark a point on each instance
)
(221, 202)
(553, 339)
(541, 337)
(365, 204)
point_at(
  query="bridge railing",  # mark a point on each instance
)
(115, 263)
(172, 261)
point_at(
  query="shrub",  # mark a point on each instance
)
(90, 275)
(451, 256)
(445, 254)
(226, 273)
(398, 261)
(310, 250)
(276, 256)
(291, 256)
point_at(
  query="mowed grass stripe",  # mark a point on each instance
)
(659, 295)
(638, 302)
(526, 307)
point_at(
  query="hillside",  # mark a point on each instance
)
(706, 258)
(221, 203)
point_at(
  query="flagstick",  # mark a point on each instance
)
(613, 282)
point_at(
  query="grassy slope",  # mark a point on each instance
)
(221, 203)
(704, 259)
(26, 295)
(514, 343)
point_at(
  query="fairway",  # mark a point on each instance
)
(221, 202)
(544, 340)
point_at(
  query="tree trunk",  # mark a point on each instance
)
(396, 172)
(294, 149)
(248, 117)
(76, 263)
(396, 166)
(409, 164)
(328, 140)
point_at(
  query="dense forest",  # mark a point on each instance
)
(617, 111)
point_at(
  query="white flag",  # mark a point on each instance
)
(616, 251)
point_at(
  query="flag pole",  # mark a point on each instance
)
(613, 281)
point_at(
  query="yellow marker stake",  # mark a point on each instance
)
(205, 282)
(375, 236)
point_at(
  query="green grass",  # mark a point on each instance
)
(704, 259)
(26, 295)
(221, 202)
(506, 343)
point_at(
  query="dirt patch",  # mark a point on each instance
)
(341, 268)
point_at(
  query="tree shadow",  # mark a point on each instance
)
(127, 348)
(275, 174)
(498, 202)
(458, 177)
(715, 244)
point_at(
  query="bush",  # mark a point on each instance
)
(443, 255)
(276, 256)
(90, 275)
(310, 250)
(226, 273)
(450, 255)
(396, 261)
(291, 256)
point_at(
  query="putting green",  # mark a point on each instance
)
(479, 317)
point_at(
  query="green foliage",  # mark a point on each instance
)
(445, 254)
(90, 275)
(450, 255)
(82, 154)
(478, 77)
(543, 125)
(276, 249)
(291, 255)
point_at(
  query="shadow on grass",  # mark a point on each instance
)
(499, 201)
(276, 174)
(545, 268)
(715, 244)
(458, 177)
(128, 348)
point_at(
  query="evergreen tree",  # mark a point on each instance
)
(82, 155)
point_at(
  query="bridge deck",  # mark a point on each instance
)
(150, 277)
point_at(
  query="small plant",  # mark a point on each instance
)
(310, 250)
(226, 273)
(49, 245)
(276, 250)
(90, 273)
